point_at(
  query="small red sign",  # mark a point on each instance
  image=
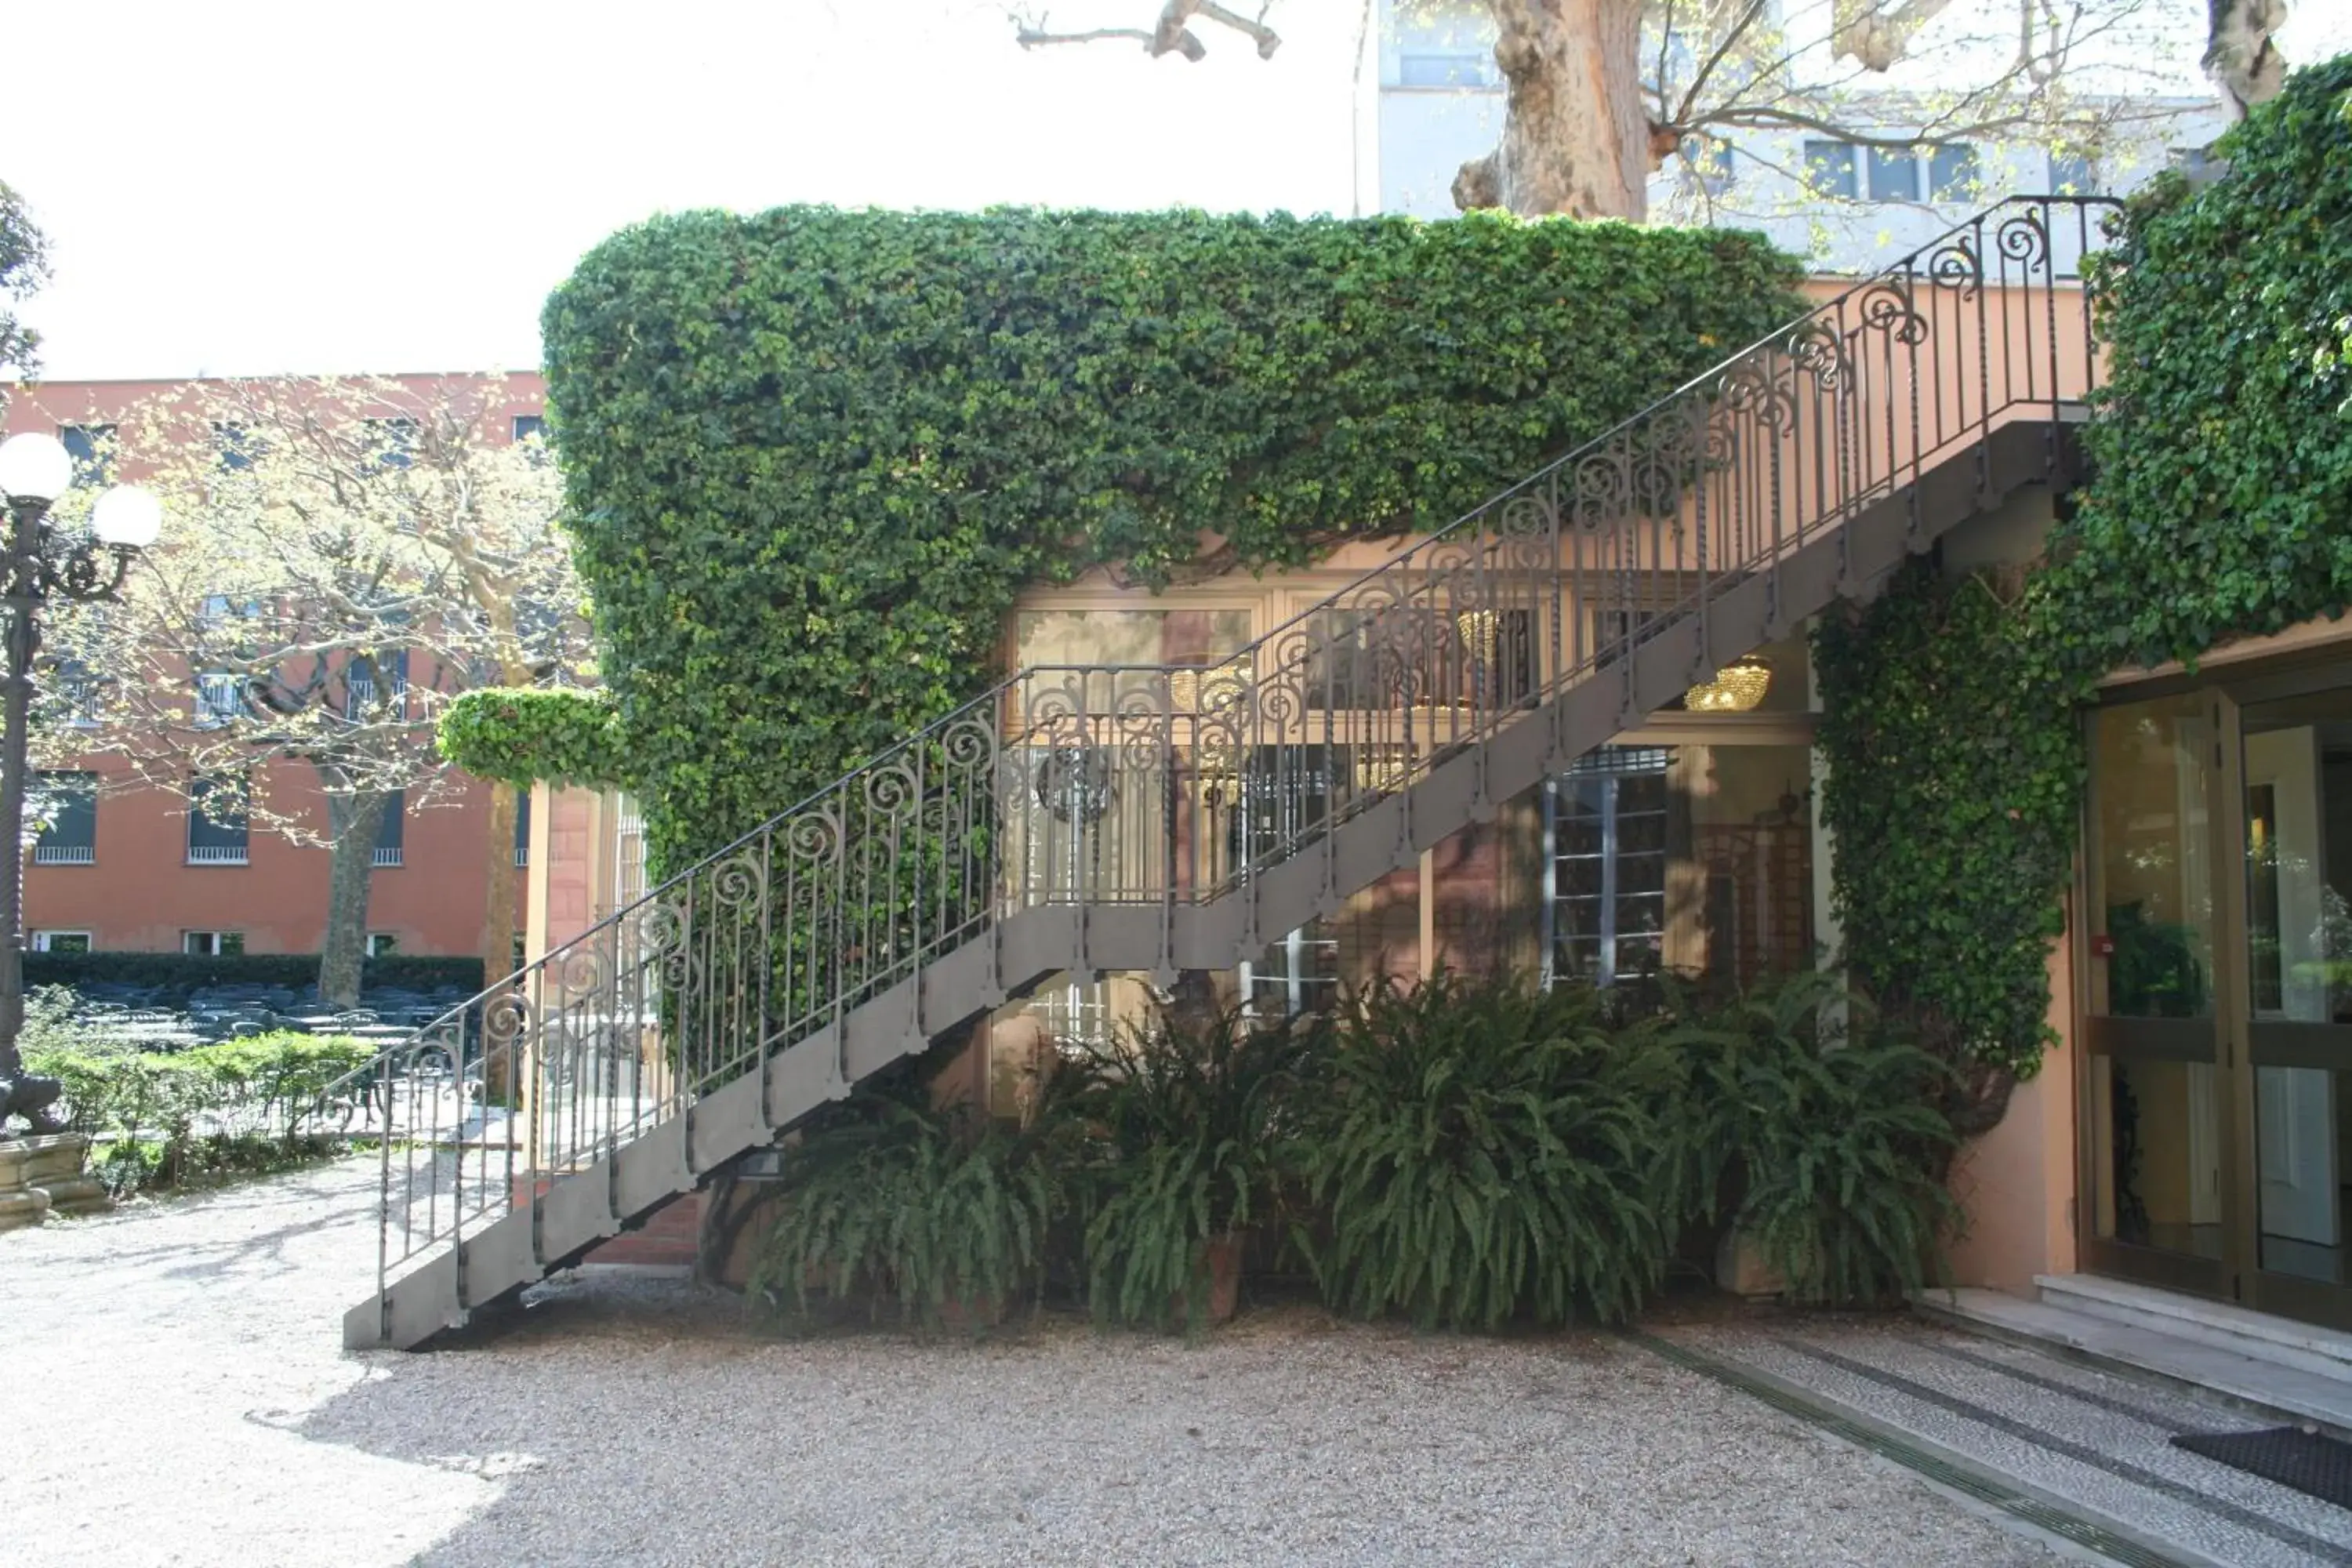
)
(2102, 946)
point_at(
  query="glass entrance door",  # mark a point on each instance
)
(2156, 1151)
(2295, 997)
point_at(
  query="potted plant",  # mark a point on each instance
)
(1194, 1120)
(893, 1199)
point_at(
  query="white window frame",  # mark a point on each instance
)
(42, 941)
(211, 943)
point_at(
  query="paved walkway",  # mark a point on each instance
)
(2095, 1443)
(196, 1409)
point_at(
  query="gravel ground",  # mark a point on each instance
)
(180, 1398)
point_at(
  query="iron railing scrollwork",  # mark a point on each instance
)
(1175, 783)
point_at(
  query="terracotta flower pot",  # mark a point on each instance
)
(972, 1317)
(1222, 1256)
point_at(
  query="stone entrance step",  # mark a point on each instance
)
(2272, 1366)
(2326, 1352)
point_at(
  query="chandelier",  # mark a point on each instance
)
(1737, 686)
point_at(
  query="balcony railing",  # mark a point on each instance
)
(387, 855)
(216, 855)
(523, 854)
(64, 854)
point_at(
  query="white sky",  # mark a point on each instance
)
(258, 185)
(246, 186)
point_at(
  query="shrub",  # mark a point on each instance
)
(1833, 1134)
(892, 1198)
(164, 1118)
(1488, 1149)
(1197, 1120)
(52, 1026)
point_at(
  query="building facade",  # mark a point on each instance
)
(124, 866)
(1434, 101)
(2192, 1127)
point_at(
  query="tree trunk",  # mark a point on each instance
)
(1576, 134)
(499, 909)
(354, 820)
(2239, 55)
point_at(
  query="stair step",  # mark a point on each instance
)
(2264, 1388)
(2304, 1347)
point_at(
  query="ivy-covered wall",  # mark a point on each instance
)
(2220, 503)
(815, 454)
(2219, 506)
(1954, 784)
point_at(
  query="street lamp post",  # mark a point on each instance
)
(40, 561)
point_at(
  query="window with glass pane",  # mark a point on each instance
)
(395, 441)
(375, 685)
(392, 834)
(2155, 1169)
(1894, 175)
(1079, 638)
(1952, 172)
(2152, 863)
(1300, 974)
(1464, 70)
(1281, 795)
(1707, 164)
(523, 827)
(235, 447)
(2073, 174)
(1829, 170)
(218, 699)
(2297, 761)
(91, 446)
(1608, 833)
(216, 823)
(69, 834)
(72, 693)
(1419, 655)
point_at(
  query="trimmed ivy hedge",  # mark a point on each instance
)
(176, 975)
(813, 455)
(2219, 506)
(525, 737)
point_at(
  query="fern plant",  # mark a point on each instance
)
(1197, 1119)
(1835, 1132)
(895, 1199)
(1485, 1149)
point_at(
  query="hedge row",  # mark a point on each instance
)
(179, 974)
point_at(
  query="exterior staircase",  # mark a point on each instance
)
(1164, 819)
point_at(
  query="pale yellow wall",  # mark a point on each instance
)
(2017, 1182)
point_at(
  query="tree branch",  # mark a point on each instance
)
(1170, 35)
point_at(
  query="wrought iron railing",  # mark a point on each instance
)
(1175, 783)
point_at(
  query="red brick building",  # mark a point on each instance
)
(126, 867)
